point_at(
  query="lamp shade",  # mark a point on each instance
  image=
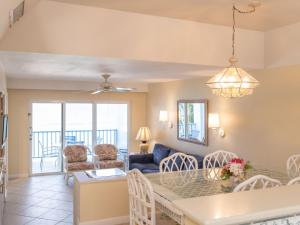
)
(163, 116)
(232, 82)
(143, 134)
(213, 120)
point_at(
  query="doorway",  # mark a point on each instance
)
(46, 136)
(74, 123)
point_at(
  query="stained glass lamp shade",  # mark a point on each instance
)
(232, 82)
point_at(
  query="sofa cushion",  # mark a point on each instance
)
(145, 166)
(160, 152)
(172, 151)
(141, 158)
(151, 170)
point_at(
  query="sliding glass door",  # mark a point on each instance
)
(74, 123)
(112, 125)
(46, 134)
(78, 124)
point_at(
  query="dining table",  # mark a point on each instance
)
(174, 186)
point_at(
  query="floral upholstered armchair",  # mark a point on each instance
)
(105, 157)
(75, 159)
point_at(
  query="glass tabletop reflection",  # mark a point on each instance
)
(189, 184)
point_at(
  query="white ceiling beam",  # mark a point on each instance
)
(60, 28)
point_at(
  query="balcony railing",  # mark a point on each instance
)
(50, 141)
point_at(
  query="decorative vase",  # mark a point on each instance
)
(236, 180)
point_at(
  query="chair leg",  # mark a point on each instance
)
(67, 178)
(42, 164)
(56, 162)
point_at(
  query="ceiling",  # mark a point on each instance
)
(271, 14)
(80, 68)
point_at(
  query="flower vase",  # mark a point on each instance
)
(236, 180)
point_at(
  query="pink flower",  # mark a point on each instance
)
(237, 160)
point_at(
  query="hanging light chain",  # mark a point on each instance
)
(234, 10)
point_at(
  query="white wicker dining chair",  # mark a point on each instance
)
(293, 166)
(141, 199)
(294, 181)
(257, 182)
(218, 159)
(178, 162)
(214, 161)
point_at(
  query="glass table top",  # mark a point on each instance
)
(105, 173)
(189, 184)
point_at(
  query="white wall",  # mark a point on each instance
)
(55, 27)
(5, 7)
(93, 31)
(282, 46)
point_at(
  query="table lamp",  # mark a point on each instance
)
(144, 136)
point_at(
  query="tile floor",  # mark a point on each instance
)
(45, 200)
(49, 165)
(42, 200)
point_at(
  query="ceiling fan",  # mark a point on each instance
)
(108, 87)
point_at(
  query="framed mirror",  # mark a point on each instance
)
(192, 121)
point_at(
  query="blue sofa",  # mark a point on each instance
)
(149, 163)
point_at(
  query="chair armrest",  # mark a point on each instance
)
(90, 151)
(65, 160)
(141, 158)
(95, 158)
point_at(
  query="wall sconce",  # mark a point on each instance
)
(214, 123)
(163, 117)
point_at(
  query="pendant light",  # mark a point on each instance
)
(233, 82)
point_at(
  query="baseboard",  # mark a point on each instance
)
(109, 221)
(16, 176)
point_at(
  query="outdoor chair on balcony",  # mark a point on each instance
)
(75, 159)
(105, 157)
(49, 152)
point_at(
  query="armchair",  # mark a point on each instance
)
(75, 159)
(105, 157)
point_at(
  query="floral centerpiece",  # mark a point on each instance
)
(235, 168)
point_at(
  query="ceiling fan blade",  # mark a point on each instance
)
(123, 89)
(97, 91)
